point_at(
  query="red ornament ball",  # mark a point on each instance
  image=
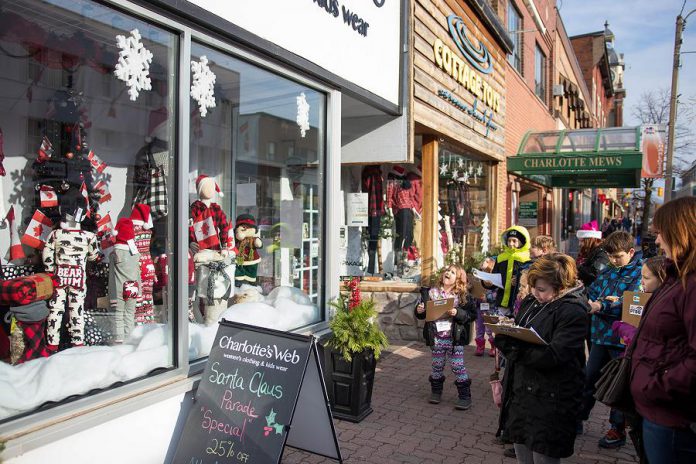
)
(69, 155)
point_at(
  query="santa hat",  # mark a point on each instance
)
(245, 219)
(398, 170)
(202, 181)
(141, 214)
(589, 230)
(124, 231)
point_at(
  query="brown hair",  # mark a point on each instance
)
(557, 269)
(587, 245)
(675, 221)
(619, 241)
(460, 284)
(656, 266)
(544, 242)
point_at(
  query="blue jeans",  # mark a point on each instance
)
(599, 356)
(665, 445)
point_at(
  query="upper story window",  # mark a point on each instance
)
(540, 73)
(515, 31)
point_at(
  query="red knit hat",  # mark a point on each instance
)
(141, 213)
(124, 231)
(202, 180)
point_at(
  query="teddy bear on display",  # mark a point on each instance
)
(248, 243)
(65, 255)
(124, 279)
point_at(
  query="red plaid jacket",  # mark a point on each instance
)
(372, 184)
(198, 210)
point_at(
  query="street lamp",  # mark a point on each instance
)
(681, 21)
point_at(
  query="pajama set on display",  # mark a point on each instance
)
(124, 288)
(443, 345)
(144, 307)
(66, 254)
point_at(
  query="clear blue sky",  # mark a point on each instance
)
(644, 33)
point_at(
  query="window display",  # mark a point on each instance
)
(87, 129)
(385, 244)
(256, 159)
(463, 200)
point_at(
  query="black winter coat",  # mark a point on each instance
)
(594, 264)
(543, 384)
(461, 322)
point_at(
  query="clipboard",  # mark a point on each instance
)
(520, 333)
(435, 309)
(488, 318)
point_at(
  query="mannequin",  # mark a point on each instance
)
(142, 230)
(66, 254)
(246, 233)
(124, 279)
(402, 199)
(372, 181)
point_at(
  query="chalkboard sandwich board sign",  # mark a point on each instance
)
(261, 390)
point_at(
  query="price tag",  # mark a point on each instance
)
(443, 326)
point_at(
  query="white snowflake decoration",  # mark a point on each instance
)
(302, 114)
(203, 85)
(485, 234)
(133, 65)
(465, 177)
(479, 170)
(460, 163)
(443, 169)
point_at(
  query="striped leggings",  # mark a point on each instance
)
(441, 349)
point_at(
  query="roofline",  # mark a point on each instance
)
(593, 34)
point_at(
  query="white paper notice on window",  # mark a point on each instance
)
(495, 279)
(291, 223)
(356, 209)
(246, 194)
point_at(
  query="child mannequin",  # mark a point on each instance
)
(124, 279)
(66, 254)
(142, 229)
(449, 336)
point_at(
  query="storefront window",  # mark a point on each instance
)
(86, 154)
(256, 161)
(463, 205)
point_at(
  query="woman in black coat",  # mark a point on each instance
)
(544, 382)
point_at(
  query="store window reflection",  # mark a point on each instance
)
(84, 159)
(255, 229)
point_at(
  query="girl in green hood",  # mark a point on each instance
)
(510, 264)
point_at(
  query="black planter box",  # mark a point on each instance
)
(349, 384)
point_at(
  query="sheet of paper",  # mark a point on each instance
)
(495, 279)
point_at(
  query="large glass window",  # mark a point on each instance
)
(540, 73)
(463, 204)
(255, 195)
(515, 30)
(85, 154)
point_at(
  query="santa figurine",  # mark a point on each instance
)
(124, 279)
(142, 231)
(248, 243)
(209, 229)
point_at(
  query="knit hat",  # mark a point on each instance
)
(202, 181)
(245, 219)
(141, 213)
(398, 170)
(124, 231)
(517, 234)
(589, 230)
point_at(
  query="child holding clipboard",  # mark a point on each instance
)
(449, 334)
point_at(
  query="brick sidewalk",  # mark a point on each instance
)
(405, 428)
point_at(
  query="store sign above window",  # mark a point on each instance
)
(467, 72)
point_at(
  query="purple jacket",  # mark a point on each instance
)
(663, 369)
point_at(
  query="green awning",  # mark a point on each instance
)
(582, 158)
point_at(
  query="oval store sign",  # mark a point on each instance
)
(468, 64)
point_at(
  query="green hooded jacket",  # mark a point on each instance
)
(511, 262)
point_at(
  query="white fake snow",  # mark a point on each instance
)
(76, 371)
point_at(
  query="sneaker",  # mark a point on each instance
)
(613, 439)
(509, 453)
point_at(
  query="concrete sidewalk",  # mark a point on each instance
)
(405, 428)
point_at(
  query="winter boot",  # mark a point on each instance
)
(464, 390)
(480, 346)
(436, 389)
(491, 352)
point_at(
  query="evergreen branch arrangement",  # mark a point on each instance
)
(354, 325)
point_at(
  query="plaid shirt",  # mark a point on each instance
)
(401, 198)
(199, 209)
(372, 184)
